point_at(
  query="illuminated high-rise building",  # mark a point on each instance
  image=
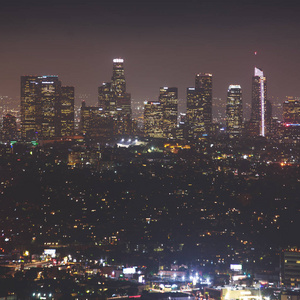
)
(291, 110)
(50, 96)
(67, 111)
(168, 97)
(194, 114)
(199, 106)
(46, 108)
(118, 86)
(203, 86)
(115, 101)
(153, 119)
(234, 110)
(106, 98)
(94, 123)
(9, 128)
(268, 116)
(290, 268)
(259, 96)
(118, 78)
(30, 107)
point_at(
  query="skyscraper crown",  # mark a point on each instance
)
(258, 72)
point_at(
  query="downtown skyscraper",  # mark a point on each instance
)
(160, 117)
(67, 110)
(168, 97)
(199, 105)
(153, 119)
(259, 97)
(47, 108)
(291, 110)
(234, 111)
(114, 102)
(112, 96)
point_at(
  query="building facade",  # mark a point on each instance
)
(168, 97)
(259, 96)
(30, 107)
(47, 108)
(49, 111)
(9, 128)
(115, 101)
(234, 111)
(290, 268)
(153, 119)
(67, 111)
(203, 84)
(95, 125)
(291, 110)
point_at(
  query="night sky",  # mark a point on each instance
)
(164, 43)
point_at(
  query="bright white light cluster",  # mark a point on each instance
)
(118, 60)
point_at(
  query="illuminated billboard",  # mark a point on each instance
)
(50, 252)
(129, 270)
(236, 267)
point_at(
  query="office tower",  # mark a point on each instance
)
(118, 86)
(118, 78)
(95, 125)
(112, 96)
(124, 104)
(194, 114)
(30, 107)
(259, 96)
(290, 268)
(268, 116)
(182, 128)
(50, 96)
(67, 111)
(199, 106)
(9, 128)
(234, 110)
(168, 97)
(88, 119)
(291, 119)
(268, 111)
(291, 110)
(153, 119)
(105, 98)
(115, 101)
(203, 86)
(42, 101)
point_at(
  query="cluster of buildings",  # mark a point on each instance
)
(197, 122)
(47, 111)
(160, 118)
(47, 108)
(113, 115)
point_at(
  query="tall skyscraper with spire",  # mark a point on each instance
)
(114, 101)
(259, 97)
(112, 96)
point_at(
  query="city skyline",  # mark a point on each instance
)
(150, 149)
(163, 44)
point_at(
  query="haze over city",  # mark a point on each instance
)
(164, 43)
